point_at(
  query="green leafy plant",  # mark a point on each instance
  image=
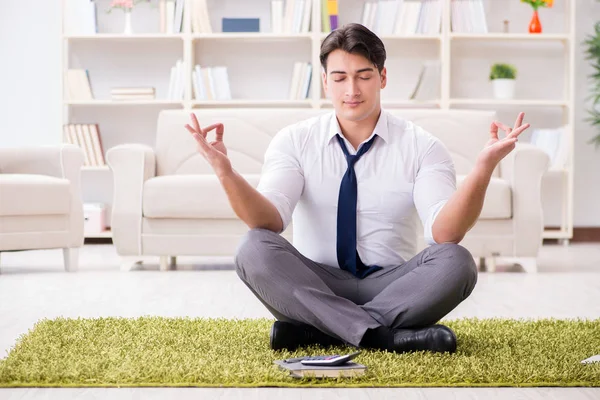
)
(592, 43)
(503, 71)
(538, 3)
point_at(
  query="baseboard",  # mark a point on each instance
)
(580, 234)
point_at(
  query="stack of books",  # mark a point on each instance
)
(294, 17)
(329, 15)
(468, 16)
(132, 93)
(211, 83)
(301, 77)
(403, 17)
(177, 81)
(86, 136)
(299, 370)
(171, 16)
(77, 85)
(200, 17)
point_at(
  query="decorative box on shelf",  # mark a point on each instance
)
(94, 217)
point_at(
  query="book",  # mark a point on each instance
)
(299, 370)
(241, 24)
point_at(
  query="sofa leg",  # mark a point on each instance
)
(71, 259)
(164, 263)
(529, 264)
(172, 261)
(127, 263)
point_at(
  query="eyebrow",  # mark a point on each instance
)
(358, 71)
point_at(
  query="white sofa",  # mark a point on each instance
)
(40, 200)
(167, 202)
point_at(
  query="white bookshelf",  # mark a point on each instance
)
(255, 58)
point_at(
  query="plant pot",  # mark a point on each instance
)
(127, 30)
(535, 26)
(504, 88)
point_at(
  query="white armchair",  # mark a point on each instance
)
(167, 201)
(40, 200)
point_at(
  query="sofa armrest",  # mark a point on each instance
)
(60, 161)
(523, 168)
(132, 165)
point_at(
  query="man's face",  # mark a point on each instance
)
(353, 84)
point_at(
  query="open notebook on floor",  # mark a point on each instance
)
(299, 370)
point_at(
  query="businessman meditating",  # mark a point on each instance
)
(352, 180)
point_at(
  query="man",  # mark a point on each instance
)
(352, 180)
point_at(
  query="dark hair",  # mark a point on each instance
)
(355, 39)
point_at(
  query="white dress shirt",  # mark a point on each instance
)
(407, 171)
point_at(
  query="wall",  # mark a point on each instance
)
(30, 49)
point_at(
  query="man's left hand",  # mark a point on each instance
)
(496, 149)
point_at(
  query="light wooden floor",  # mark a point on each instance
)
(33, 285)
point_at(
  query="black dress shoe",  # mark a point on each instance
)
(436, 338)
(288, 336)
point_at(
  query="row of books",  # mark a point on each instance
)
(329, 15)
(403, 17)
(171, 16)
(132, 93)
(291, 16)
(86, 136)
(211, 83)
(553, 142)
(77, 85)
(468, 16)
(300, 84)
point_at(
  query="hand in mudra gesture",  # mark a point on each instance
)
(496, 149)
(214, 152)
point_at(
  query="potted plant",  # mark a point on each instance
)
(592, 43)
(127, 7)
(535, 25)
(503, 80)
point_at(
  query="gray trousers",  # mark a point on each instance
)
(296, 289)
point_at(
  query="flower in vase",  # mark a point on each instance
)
(125, 5)
(538, 3)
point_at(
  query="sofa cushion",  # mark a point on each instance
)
(27, 194)
(498, 199)
(202, 196)
(188, 196)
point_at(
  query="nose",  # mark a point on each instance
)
(352, 88)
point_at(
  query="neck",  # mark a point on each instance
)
(358, 131)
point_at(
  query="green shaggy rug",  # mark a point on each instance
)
(154, 351)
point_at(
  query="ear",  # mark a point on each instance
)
(324, 79)
(383, 77)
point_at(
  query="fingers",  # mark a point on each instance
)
(494, 131)
(196, 124)
(519, 120)
(519, 130)
(220, 130)
(503, 127)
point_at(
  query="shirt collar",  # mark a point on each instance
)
(381, 128)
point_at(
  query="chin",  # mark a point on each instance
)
(354, 113)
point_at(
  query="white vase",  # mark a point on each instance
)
(127, 30)
(504, 88)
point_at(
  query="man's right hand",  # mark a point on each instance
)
(214, 152)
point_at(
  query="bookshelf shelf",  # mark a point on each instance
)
(510, 36)
(119, 103)
(100, 235)
(122, 37)
(252, 103)
(511, 102)
(101, 168)
(255, 59)
(251, 36)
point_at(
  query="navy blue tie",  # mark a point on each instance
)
(347, 255)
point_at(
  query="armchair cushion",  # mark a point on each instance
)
(29, 194)
(498, 199)
(188, 196)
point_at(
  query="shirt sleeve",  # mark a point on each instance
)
(434, 184)
(282, 178)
